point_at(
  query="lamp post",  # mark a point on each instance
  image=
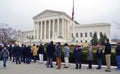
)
(30, 38)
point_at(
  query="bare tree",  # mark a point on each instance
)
(7, 33)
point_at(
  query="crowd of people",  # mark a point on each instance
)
(23, 53)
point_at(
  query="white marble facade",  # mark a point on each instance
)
(52, 26)
(56, 26)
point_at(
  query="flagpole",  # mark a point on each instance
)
(73, 26)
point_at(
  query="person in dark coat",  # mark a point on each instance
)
(99, 56)
(78, 56)
(41, 53)
(118, 56)
(23, 48)
(28, 54)
(17, 52)
(107, 53)
(10, 51)
(50, 54)
(1, 47)
(13, 53)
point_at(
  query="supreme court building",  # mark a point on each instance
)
(56, 26)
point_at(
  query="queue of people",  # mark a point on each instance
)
(25, 53)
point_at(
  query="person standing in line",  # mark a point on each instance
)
(99, 56)
(118, 56)
(13, 53)
(1, 47)
(50, 54)
(41, 53)
(10, 51)
(78, 56)
(58, 54)
(89, 56)
(66, 55)
(28, 54)
(34, 52)
(23, 49)
(107, 53)
(5, 55)
(17, 52)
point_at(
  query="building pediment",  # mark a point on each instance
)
(48, 13)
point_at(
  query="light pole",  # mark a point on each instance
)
(30, 38)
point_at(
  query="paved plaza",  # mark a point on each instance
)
(36, 68)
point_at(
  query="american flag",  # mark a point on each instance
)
(73, 12)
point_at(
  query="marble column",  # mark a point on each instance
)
(45, 29)
(37, 30)
(62, 28)
(49, 25)
(65, 28)
(34, 30)
(58, 26)
(53, 30)
(41, 30)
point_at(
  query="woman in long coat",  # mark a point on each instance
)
(34, 52)
(89, 56)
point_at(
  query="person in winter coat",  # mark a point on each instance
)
(34, 52)
(23, 50)
(78, 56)
(1, 47)
(58, 54)
(89, 56)
(17, 53)
(66, 55)
(41, 53)
(28, 54)
(107, 53)
(99, 56)
(10, 48)
(118, 55)
(50, 54)
(5, 55)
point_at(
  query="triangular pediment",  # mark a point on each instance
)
(48, 13)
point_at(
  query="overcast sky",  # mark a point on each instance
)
(18, 13)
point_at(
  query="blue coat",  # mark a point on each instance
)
(58, 51)
(17, 51)
(117, 50)
(77, 53)
(99, 53)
